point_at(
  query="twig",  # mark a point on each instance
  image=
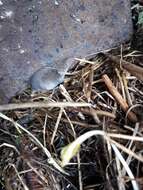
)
(86, 125)
(118, 97)
(79, 172)
(6, 107)
(67, 96)
(10, 146)
(126, 89)
(92, 111)
(19, 177)
(44, 130)
(78, 154)
(36, 141)
(131, 68)
(88, 84)
(121, 82)
(56, 125)
(85, 61)
(128, 170)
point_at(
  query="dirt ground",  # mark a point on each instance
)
(101, 102)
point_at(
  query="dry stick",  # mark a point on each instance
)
(118, 97)
(131, 68)
(126, 89)
(56, 125)
(92, 111)
(6, 107)
(89, 89)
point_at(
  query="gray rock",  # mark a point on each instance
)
(38, 33)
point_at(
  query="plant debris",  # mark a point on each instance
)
(103, 93)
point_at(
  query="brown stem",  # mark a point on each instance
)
(118, 97)
(135, 70)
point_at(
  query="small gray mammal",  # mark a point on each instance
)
(46, 78)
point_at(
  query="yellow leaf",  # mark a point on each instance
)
(68, 152)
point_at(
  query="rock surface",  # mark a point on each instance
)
(38, 33)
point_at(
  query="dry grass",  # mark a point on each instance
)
(98, 94)
(102, 94)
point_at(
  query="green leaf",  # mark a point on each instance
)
(68, 152)
(140, 18)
